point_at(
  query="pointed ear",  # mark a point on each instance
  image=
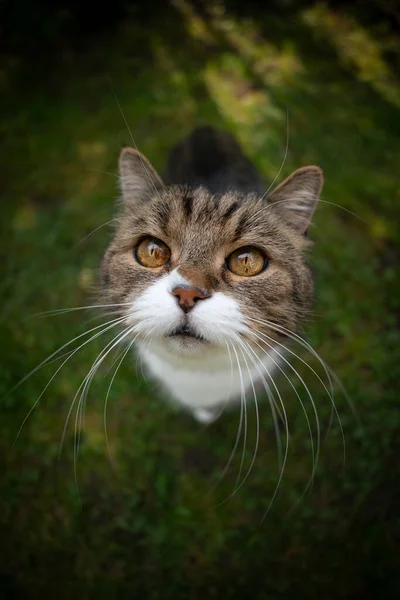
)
(137, 174)
(297, 196)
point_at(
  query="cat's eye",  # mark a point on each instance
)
(152, 252)
(247, 261)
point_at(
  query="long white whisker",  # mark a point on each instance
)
(70, 354)
(84, 385)
(222, 475)
(103, 314)
(315, 454)
(82, 400)
(115, 361)
(77, 393)
(104, 172)
(297, 338)
(320, 201)
(139, 357)
(293, 199)
(287, 438)
(327, 370)
(47, 360)
(134, 143)
(94, 231)
(273, 406)
(330, 394)
(244, 404)
(108, 393)
(61, 311)
(257, 424)
(228, 395)
(228, 464)
(284, 158)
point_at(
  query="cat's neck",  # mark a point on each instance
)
(206, 381)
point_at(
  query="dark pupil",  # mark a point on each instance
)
(244, 259)
(155, 250)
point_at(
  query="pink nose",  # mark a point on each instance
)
(188, 296)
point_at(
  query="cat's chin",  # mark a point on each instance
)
(186, 345)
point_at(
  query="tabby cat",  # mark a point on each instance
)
(208, 269)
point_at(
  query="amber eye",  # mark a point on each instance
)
(152, 253)
(247, 261)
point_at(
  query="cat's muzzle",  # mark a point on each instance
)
(186, 331)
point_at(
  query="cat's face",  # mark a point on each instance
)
(195, 272)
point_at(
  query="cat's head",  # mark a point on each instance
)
(194, 272)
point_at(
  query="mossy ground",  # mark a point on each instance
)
(151, 524)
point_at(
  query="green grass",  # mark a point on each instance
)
(151, 524)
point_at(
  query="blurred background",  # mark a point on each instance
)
(153, 522)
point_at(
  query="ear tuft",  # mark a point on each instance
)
(137, 175)
(298, 195)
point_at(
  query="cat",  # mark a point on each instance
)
(209, 268)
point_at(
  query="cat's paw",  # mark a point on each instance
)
(202, 415)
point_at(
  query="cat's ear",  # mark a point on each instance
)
(298, 195)
(136, 174)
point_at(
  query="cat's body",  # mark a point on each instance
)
(214, 160)
(209, 273)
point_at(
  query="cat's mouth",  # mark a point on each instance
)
(186, 331)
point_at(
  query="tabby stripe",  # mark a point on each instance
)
(241, 227)
(229, 212)
(187, 205)
(163, 213)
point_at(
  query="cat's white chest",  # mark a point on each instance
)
(207, 383)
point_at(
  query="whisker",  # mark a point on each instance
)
(330, 394)
(315, 454)
(111, 313)
(134, 143)
(139, 357)
(49, 358)
(238, 435)
(244, 404)
(327, 370)
(319, 201)
(119, 354)
(257, 426)
(108, 393)
(104, 172)
(273, 405)
(70, 354)
(350, 212)
(61, 311)
(84, 386)
(286, 432)
(87, 380)
(94, 231)
(284, 157)
(228, 395)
